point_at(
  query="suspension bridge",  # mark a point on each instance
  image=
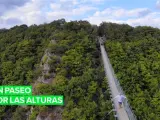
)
(124, 113)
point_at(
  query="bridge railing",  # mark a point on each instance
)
(126, 104)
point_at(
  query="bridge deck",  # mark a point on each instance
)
(121, 113)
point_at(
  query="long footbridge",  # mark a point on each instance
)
(125, 113)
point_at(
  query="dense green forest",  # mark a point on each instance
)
(76, 69)
(135, 57)
(75, 61)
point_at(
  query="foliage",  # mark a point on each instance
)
(77, 69)
(135, 59)
(20, 114)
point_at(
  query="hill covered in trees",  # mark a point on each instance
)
(75, 69)
(135, 57)
(70, 52)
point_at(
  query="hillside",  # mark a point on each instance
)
(70, 54)
(63, 58)
(135, 56)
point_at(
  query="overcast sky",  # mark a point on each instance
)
(132, 12)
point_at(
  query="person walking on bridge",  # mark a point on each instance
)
(120, 98)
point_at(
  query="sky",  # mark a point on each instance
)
(132, 12)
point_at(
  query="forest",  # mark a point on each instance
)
(63, 58)
(75, 66)
(135, 57)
